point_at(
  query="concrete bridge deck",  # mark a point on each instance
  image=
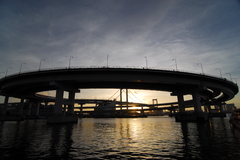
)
(206, 90)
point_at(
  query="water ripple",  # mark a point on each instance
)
(141, 138)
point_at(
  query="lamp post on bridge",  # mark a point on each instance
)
(40, 64)
(219, 71)
(229, 75)
(70, 58)
(235, 80)
(201, 67)
(175, 63)
(107, 60)
(21, 67)
(146, 62)
(7, 71)
(1, 72)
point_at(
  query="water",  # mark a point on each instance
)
(116, 138)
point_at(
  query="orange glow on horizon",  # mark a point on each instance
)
(134, 107)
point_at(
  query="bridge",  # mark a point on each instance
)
(206, 90)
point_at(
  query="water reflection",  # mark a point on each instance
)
(126, 138)
(60, 140)
(29, 139)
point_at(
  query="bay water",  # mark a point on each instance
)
(158, 137)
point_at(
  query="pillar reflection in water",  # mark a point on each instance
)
(119, 138)
(61, 140)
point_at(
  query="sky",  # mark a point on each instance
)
(122, 33)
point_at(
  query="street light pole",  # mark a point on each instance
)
(175, 63)
(40, 64)
(21, 67)
(146, 62)
(201, 67)
(229, 75)
(7, 71)
(219, 71)
(70, 61)
(235, 80)
(1, 72)
(107, 60)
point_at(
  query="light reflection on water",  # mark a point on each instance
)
(119, 138)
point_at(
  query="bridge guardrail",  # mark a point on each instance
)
(127, 67)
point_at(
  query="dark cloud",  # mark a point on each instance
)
(205, 32)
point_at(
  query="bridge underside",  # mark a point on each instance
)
(205, 90)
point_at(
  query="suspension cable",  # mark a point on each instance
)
(113, 95)
(135, 96)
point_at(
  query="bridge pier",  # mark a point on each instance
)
(197, 115)
(60, 116)
(172, 111)
(20, 109)
(182, 83)
(206, 108)
(37, 108)
(121, 100)
(71, 98)
(58, 102)
(81, 109)
(64, 109)
(196, 102)
(6, 116)
(181, 103)
(5, 105)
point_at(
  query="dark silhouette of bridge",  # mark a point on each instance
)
(206, 90)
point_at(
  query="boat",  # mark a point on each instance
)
(235, 119)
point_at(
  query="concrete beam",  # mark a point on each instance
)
(64, 87)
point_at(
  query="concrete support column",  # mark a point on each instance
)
(5, 105)
(58, 102)
(127, 97)
(64, 109)
(71, 98)
(29, 109)
(20, 111)
(196, 102)
(172, 110)
(37, 109)
(58, 115)
(81, 109)
(142, 111)
(221, 108)
(209, 109)
(181, 102)
(121, 98)
(206, 108)
(222, 114)
(224, 107)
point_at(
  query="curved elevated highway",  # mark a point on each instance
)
(205, 89)
(27, 84)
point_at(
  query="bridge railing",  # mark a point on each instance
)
(127, 67)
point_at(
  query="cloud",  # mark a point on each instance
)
(200, 32)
